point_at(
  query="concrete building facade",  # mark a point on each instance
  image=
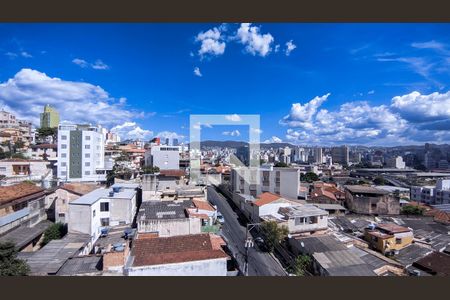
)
(81, 153)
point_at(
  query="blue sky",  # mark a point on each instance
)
(374, 84)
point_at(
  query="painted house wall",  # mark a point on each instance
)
(212, 267)
(170, 227)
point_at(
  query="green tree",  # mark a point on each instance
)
(309, 177)
(274, 233)
(47, 131)
(9, 264)
(301, 265)
(54, 232)
(412, 210)
(280, 165)
(150, 170)
(18, 155)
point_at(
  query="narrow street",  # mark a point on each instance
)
(259, 263)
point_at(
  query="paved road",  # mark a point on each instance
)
(259, 263)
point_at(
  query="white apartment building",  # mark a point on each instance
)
(396, 162)
(318, 157)
(282, 181)
(439, 194)
(164, 157)
(81, 153)
(102, 208)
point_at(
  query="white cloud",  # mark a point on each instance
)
(26, 54)
(273, 139)
(212, 42)
(255, 43)
(301, 115)
(290, 46)
(276, 49)
(197, 72)
(371, 92)
(13, 55)
(232, 133)
(170, 135)
(130, 130)
(416, 107)
(353, 122)
(29, 90)
(256, 130)
(80, 62)
(429, 45)
(233, 118)
(97, 65)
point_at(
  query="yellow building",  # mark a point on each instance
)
(388, 238)
(49, 118)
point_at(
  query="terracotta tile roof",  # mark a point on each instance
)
(177, 173)
(266, 198)
(176, 249)
(79, 188)
(442, 216)
(18, 191)
(320, 192)
(203, 205)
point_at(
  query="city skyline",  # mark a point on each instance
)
(144, 80)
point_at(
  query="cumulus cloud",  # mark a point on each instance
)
(255, 42)
(130, 130)
(416, 107)
(233, 118)
(290, 46)
(301, 115)
(232, 133)
(29, 90)
(273, 139)
(409, 118)
(197, 72)
(97, 65)
(170, 135)
(212, 42)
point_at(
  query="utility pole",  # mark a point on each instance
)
(248, 244)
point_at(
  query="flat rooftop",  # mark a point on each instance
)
(103, 193)
(306, 210)
(362, 189)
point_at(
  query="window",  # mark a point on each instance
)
(63, 146)
(2, 169)
(63, 164)
(93, 213)
(104, 221)
(104, 206)
(373, 205)
(63, 173)
(398, 241)
(87, 164)
(63, 155)
(87, 146)
(87, 155)
(63, 137)
(87, 137)
(299, 221)
(87, 173)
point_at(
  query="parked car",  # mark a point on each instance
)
(259, 241)
(220, 218)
